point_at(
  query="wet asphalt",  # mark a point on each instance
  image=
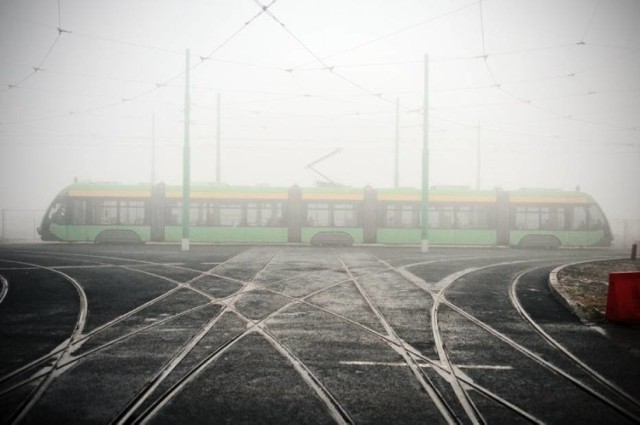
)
(296, 334)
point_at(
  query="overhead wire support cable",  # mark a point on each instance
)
(160, 85)
(304, 46)
(37, 68)
(396, 32)
(318, 58)
(265, 9)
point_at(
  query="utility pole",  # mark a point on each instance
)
(153, 149)
(218, 141)
(186, 163)
(478, 159)
(424, 245)
(396, 175)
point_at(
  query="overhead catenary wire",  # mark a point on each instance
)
(139, 94)
(39, 66)
(395, 32)
(511, 93)
(160, 85)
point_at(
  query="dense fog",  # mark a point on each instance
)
(534, 93)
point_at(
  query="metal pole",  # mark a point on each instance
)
(186, 160)
(424, 246)
(478, 159)
(153, 149)
(218, 160)
(396, 175)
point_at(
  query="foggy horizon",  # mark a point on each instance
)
(549, 90)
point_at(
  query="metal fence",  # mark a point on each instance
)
(19, 224)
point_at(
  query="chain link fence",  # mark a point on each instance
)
(19, 225)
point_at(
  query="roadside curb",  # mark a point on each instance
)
(565, 297)
(562, 296)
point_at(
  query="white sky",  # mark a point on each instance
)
(554, 86)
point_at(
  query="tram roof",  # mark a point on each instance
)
(332, 193)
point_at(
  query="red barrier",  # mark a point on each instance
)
(623, 298)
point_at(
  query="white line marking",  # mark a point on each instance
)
(401, 364)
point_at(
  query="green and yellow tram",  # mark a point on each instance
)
(100, 212)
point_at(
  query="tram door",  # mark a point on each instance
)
(294, 209)
(369, 215)
(502, 236)
(157, 212)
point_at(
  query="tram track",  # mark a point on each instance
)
(145, 393)
(83, 337)
(24, 408)
(425, 382)
(450, 371)
(596, 376)
(446, 366)
(61, 355)
(518, 347)
(398, 345)
(465, 400)
(334, 408)
(4, 288)
(546, 364)
(152, 403)
(140, 308)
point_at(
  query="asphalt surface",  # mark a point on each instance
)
(286, 334)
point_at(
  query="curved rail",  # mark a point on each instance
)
(611, 386)
(430, 389)
(35, 395)
(4, 288)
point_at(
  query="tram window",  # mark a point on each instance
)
(318, 215)
(131, 212)
(527, 218)
(434, 218)
(474, 217)
(105, 212)
(344, 215)
(400, 215)
(173, 214)
(560, 219)
(441, 217)
(485, 217)
(264, 214)
(596, 218)
(57, 213)
(272, 214)
(78, 211)
(198, 213)
(579, 219)
(229, 214)
(465, 217)
(254, 216)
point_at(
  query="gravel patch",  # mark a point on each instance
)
(584, 286)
